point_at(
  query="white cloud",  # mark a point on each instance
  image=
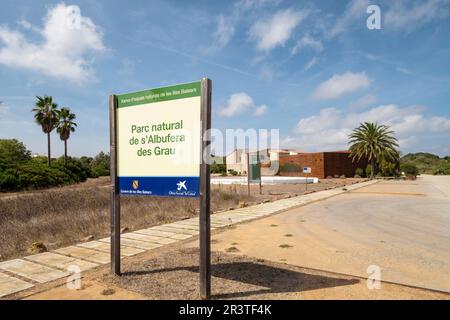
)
(363, 102)
(3, 108)
(65, 51)
(340, 84)
(277, 30)
(239, 103)
(261, 110)
(354, 10)
(224, 31)
(329, 129)
(226, 24)
(305, 42)
(402, 16)
(310, 64)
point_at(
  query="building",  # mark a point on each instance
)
(237, 159)
(322, 164)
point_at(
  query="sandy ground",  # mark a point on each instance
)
(172, 273)
(319, 251)
(401, 226)
(64, 216)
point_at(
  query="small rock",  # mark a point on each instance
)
(243, 204)
(37, 247)
(88, 238)
(266, 201)
(108, 292)
(230, 208)
(124, 229)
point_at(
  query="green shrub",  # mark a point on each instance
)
(218, 168)
(290, 167)
(100, 165)
(443, 169)
(368, 170)
(410, 169)
(233, 172)
(12, 152)
(359, 172)
(18, 171)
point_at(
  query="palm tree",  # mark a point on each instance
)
(373, 142)
(46, 115)
(66, 125)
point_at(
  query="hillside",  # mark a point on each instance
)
(428, 163)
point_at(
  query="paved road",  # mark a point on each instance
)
(401, 226)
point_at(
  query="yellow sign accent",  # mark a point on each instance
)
(135, 184)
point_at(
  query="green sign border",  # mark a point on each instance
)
(180, 91)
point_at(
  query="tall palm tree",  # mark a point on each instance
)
(46, 115)
(66, 125)
(373, 142)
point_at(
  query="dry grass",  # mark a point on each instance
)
(61, 217)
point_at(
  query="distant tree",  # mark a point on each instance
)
(46, 115)
(373, 142)
(12, 152)
(66, 125)
(410, 169)
(100, 164)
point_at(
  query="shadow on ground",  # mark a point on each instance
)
(268, 278)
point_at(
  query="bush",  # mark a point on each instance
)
(290, 167)
(12, 152)
(100, 165)
(233, 172)
(368, 170)
(443, 169)
(390, 169)
(18, 171)
(410, 170)
(218, 168)
(359, 172)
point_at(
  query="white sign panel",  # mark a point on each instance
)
(159, 141)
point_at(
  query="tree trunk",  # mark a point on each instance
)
(65, 152)
(48, 149)
(372, 173)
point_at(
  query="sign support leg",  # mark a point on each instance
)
(115, 197)
(205, 192)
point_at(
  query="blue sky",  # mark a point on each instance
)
(310, 68)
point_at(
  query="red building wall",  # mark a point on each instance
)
(322, 164)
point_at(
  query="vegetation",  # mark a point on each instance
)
(376, 143)
(290, 167)
(359, 172)
(66, 125)
(46, 115)
(426, 163)
(19, 171)
(218, 165)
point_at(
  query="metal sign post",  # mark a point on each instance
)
(248, 174)
(306, 170)
(115, 197)
(141, 124)
(260, 176)
(205, 192)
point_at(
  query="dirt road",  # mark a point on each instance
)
(403, 227)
